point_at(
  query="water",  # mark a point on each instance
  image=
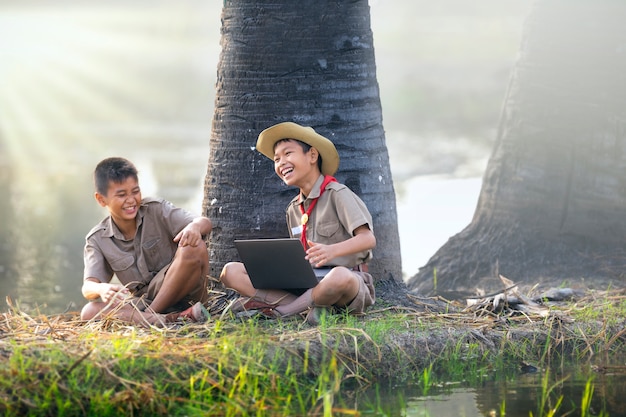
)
(430, 211)
(516, 394)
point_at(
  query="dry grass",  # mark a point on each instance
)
(62, 365)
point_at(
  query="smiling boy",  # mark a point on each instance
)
(156, 250)
(331, 221)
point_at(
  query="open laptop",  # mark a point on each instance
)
(278, 264)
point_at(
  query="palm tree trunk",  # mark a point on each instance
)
(552, 200)
(310, 62)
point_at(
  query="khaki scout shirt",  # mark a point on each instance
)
(135, 262)
(337, 213)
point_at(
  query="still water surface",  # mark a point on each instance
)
(516, 395)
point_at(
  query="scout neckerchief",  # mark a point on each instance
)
(305, 216)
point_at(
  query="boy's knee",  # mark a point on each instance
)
(343, 280)
(198, 253)
(230, 271)
(90, 310)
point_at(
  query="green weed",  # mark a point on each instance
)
(60, 366)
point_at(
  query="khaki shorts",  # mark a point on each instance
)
(366, 295)
(144, 296)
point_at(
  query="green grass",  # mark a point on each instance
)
(60, 366)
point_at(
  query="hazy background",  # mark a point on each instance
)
(81, 81)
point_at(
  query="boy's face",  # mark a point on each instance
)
(292, 164)
(122, 200)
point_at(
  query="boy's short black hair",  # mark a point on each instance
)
(113, 169)
(305, 148)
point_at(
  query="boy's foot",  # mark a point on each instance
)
(270, 313)
(267, 313)
(197, 313)
(245, 304)
(314, 316)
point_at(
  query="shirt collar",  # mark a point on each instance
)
(113, 231)
(315, 191)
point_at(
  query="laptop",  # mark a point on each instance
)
(278, 264)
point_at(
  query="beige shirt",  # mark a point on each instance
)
(336, 215)
(136, 261)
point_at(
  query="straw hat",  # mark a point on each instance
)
(289, 130)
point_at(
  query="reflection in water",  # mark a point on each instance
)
(518, 395)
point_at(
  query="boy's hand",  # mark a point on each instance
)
(192, 234)
(318, 254)
(189, 236)
(114, 293)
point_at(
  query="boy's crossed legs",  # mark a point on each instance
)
(184, 279)
(338, 288)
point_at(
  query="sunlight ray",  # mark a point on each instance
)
(63, 72)
(45, 123)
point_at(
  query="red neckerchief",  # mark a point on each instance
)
(305, 216)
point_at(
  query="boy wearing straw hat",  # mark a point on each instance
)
(333, 224)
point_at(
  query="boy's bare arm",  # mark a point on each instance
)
(363, 239)
(192, 234)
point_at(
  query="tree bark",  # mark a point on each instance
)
(313, 63)
(551, 207)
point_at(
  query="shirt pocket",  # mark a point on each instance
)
(151, 252)
(328, 229)
(123, 263)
